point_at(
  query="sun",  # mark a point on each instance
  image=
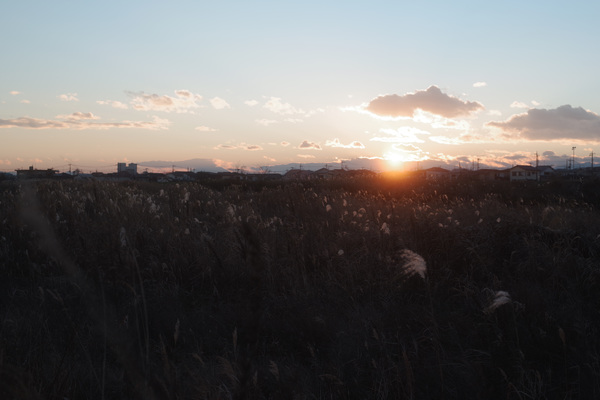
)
(394, 160)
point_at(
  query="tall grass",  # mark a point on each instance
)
(315, 290)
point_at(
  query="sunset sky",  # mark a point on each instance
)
(267, 83)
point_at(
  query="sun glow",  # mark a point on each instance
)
(395, 161)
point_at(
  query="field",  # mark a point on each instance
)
(330, 290)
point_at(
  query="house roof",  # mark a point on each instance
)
(436, 169)
(525, 167)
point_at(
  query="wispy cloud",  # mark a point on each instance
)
(25, 101)
(78, 116)
(14, 92)
(265, 122)
(114, 104)
(446, 140)
(562, 123)
(309, 145)
(285, 144)
(405, 134)
(519, 104)
(274, 104)
(74, 123)
(479, 84)
(68, 97)
(226, 147)
(432, 100)
(183, 102)
(251, 103)
(218, 103)
(241, 146)
(306, 156)
(205, 129)
(336, 143)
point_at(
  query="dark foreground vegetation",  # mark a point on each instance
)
(378, 290)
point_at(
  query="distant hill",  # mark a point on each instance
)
(209, 165)
(196, 164)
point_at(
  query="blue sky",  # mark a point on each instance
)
(269, 83)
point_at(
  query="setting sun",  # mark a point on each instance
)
(395, 161)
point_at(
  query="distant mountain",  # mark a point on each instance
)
(196, 164)
(355, 163)
(209, 165)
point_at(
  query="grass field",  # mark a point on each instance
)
(330, 290)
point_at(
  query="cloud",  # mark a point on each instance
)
(77, 116)
(480, 84)
(226, 147)
(25, 101)
(114, 104)
(14, 92)
(446, 140)
(32, 123)
(265, 122)
(309, 145)
(285, 144)
(519, 104)
(251, 103)
(562, 123)
(218, 103)
(184, 102)
(205, 129)
(405, 134)
(306, 156)
(68, 97)
(79, 124)
(336, 143)
(184, 93)
(275, 105)
(243, 146)
(432, 101)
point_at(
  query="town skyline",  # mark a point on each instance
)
(383, 86)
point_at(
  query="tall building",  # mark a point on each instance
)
(123, 168)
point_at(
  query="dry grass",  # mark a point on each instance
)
(334, 290)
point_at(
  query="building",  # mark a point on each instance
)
(32, 173)
(436, 173)
(522, 173)
(545, 171)
(489, 174)
(124, 169)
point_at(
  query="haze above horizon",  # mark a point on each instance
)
(270, 83)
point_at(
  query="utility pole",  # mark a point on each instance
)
(592, 154)
(70, 170)
(537, 160)
(573, 164)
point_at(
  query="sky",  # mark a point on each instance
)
(247, 84)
